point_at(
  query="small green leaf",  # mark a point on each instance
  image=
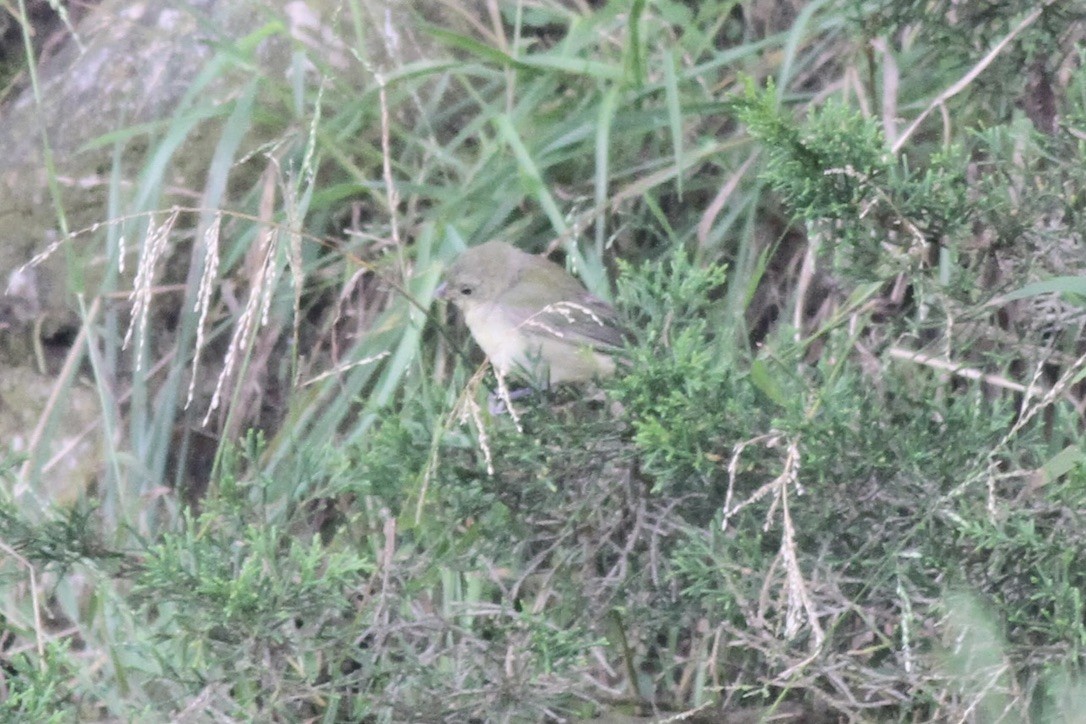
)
(1057, 285)
(765, 382)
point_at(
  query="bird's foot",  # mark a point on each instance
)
(496, 402)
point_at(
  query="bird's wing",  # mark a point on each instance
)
(575, 316)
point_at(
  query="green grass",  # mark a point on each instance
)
(841, 480)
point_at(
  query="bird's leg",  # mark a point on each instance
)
(504, 401)
(496, 401)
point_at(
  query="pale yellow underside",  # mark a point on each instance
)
(511, 349)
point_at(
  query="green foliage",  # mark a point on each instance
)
(35, 688)
(892, 508)
(953, 32)
(683, 392)
(55, 541)
(1028, 559)
(214, 579)
(891, 433)
(826, 168)
(834, 172)
(773, 504)
(389, 464)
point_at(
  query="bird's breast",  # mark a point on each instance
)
(500, 339)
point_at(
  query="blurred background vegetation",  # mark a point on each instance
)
(249, 470)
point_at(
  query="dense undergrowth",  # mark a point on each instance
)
(841, 478)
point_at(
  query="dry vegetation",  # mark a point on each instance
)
(842, 479)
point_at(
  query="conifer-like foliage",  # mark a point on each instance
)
(837, 477)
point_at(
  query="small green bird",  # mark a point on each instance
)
(531, 317)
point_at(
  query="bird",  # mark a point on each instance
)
(531, 317)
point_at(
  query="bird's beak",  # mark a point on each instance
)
(441, 291)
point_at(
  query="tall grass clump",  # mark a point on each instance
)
(839, 476)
